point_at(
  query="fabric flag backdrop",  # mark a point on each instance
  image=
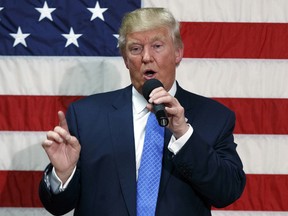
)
(54, 52)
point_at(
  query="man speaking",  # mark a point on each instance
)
(110, 157)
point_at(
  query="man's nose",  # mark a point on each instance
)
(147, 55)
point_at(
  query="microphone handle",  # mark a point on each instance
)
(159, 110)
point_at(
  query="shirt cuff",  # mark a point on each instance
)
(176, 144)
(56, 184)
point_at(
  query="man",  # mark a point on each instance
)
(96, 154)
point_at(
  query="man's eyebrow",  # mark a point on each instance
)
(129, 43)
(158, 38)
(152, 40)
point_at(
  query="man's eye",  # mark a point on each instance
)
(136, 50)
(157, 47)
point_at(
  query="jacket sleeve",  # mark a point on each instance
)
(211, 165)
(63, 202)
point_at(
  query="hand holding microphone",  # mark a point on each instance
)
(159, 109)
(173, 109)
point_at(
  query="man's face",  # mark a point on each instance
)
(151, 54)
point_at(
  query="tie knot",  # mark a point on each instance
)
(152, 124)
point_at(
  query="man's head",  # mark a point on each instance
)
(151, 45)
(146, 19)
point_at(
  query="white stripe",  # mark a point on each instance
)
(22, 151)
(27, 212)
(248, 213)
(235, 77)
(225, 10)
(28, 75)
(88, 75)
(263, 154)
(260, 154)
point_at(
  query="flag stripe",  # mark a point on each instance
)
(39, 113)
(259, 153)
(22, 151)
(235, 40)
(247, 213)
(258, 116)
(235, 77)
(32, 113)
(270, 196)
(88, 75)
(263, 153)
(43, 212)
(225, 10)
(29, 212)
(13, 183)
(61, 75)
(20, 188)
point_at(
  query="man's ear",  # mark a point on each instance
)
(178, 55)
(125, 60)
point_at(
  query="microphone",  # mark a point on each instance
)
(159, 109)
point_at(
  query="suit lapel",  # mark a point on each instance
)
(121, 130)
(167, 166)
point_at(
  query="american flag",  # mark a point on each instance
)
(54, 52)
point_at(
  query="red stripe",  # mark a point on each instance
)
(39, 113)
(258, 116)
(262, 192)
(19, 188)
(32, 113)
(235, 40)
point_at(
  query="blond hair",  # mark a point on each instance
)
(146, 19)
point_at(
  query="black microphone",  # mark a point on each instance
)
(159, 109)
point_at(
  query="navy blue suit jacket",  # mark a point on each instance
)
(206, 172)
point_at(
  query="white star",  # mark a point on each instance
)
(97, 12)
(19, 37)
(116, 36)
(45, 12)
(72, 38)
(1, 8)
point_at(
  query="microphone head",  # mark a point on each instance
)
(148, 87)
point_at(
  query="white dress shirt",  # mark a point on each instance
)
(140, 116)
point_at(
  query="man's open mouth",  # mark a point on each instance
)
(149, 73)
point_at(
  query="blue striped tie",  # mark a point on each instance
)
(150, 168)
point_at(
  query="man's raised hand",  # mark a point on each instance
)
(62, 149)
